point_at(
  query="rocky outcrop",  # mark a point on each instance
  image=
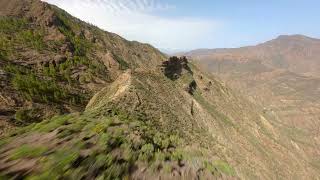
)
(174, 67)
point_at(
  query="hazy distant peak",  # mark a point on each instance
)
(295, 37)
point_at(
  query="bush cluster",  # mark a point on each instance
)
(33, 39)
(37, 89)
(11, 24)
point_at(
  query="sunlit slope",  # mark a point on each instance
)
(210, 124)
(154, 117)
(281, 76)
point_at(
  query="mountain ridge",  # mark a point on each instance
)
(285, 52)
(298, 37)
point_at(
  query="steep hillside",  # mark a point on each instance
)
(156, 127)
(143, 116)
(280, 74)
(286, 86)
(52, 63)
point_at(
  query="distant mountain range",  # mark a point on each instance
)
(296, 53)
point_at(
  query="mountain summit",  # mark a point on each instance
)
(81, 103)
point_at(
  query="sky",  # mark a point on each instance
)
(182, 25)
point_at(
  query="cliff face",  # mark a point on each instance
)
(140, 115)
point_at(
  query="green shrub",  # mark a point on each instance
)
(58, 165)
(54, 123)
(160, 141)
(36, 89)
(26, 116)
(103, 161)
(79, 43)
(160, 156)
(94, 68)
(33, 39)
(219, 166)
(224, 167)
(47, 91)
(108, 142)
(26, 151)
(5, 47)
(80, 46)
(177, 155)
(3, 55)
(13, 69)
(52, 72)
(146, 152)
(11, 24)
(123, 65)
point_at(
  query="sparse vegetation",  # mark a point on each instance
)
(113, 151)
(35, 71)
(11, 24)
(225, 121)
(27, 116)
(3, 55)
(16, 31)
(27, 151)
(142, 122)
(35, 89)
(34, 39)
(106, 145)
(80, 45)
(115, 142)
(4, 47)
(218, 167)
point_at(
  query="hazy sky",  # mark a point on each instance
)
(192, 24)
